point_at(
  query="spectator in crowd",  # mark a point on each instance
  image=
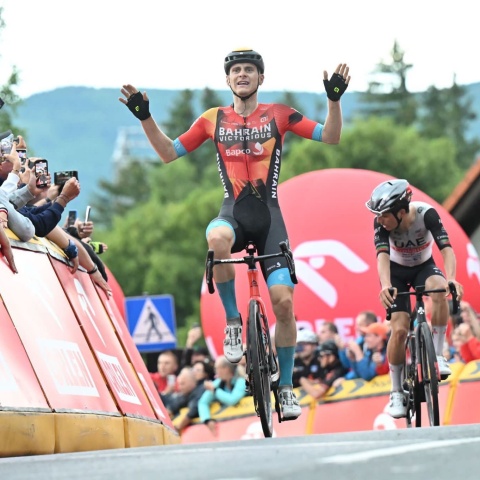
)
(306, 363)
(81, 232)
(26, 220)
(84, 231)
(454, 354)
(333, 371)
(469, 343)
(362, 321)
(165, 376)
(370, 361)
(469, 315)
(21, 226)
(43, 218)
(228, 389)
(203, 370)
(192, 352)
(189, 391)
(328, 331)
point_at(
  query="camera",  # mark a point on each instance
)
(6, 143)
(59, 178)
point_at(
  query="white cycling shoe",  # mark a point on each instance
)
(443, 367)
(232, 345)
(397, 408)
(288, 403)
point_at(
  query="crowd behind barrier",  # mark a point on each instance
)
(354, 405)
(71, 377)
(333, 378)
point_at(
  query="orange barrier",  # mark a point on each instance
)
(464, 404)
(355, 405)
(71, 378)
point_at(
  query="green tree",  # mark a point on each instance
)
(446, 113)
(387, 93)
(130, 186)
(8, 95)
(162, 250)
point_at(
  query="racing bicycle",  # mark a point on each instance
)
(262, 369)
(421, 374)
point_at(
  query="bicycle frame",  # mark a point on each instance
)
(261, 362)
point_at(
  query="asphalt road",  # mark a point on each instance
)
(441, 453)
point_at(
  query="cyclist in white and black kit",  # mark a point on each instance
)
(404, 236)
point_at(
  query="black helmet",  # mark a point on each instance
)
(390, 196)
(244, 55)
(328, 347)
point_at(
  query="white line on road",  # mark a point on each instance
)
(391, 451)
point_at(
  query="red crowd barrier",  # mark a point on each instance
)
(69, 370)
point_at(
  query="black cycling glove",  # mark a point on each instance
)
(138, 106)
(335, 87)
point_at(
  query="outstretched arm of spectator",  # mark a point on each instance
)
(233, 397)
(5, 244)
(21, 226)
(315, 390)
(193, 335)
(63, 240)
(204, 405)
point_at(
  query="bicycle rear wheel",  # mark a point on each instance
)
(259, 368)
(428, 359)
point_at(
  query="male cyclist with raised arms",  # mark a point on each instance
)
(404, 235)
(248, 137)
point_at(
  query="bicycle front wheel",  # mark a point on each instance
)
(409, 378)
(427, 360)
(260, 370)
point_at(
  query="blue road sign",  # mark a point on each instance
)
(151, 322)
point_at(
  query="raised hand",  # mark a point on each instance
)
(338, 83)
(136, 102)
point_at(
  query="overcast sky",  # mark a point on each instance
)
(181, 43)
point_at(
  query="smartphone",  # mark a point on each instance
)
(23, 156)
(87, 214)
(59, 178)
(72, 216)
(41, 172)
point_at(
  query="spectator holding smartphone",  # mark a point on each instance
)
(19, 224)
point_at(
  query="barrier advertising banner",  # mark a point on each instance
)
(19, 387)
(103, 340)
(53, 340)
(134, 357)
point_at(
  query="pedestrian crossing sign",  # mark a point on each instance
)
(151, 322)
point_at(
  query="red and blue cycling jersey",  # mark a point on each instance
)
(248, 148)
